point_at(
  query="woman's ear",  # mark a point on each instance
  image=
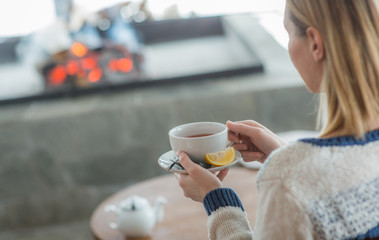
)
(316, 44)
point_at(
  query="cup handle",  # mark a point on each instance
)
(111, 210)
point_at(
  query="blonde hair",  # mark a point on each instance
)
(350, 32)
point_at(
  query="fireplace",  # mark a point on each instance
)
(128, 55)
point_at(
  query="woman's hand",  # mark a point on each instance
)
(252, 140)
(199, 181)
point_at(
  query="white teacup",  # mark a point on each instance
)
(199, 138)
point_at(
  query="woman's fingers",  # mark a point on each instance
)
(184, 159)
(261, 138)
(252, 123)
(249, 123)
(199, 181)
(187, 163)
(240, 147)
(257, 125)
(222, 174)
(233, 137)
(252, 156)
(196, 172)
(241, 128)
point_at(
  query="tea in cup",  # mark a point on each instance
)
(199, 138)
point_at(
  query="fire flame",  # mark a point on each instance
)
(88, 63)
(95, 75)
(79, 49)
(72, 67)
(123, 64)
(83, 64)
(57, 75)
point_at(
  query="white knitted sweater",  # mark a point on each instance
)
(309, 189)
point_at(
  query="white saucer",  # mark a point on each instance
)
(166, 161)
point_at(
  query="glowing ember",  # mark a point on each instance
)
(88, 63)
(79, 49)
(57, 75)
(72, 67)
(85, 67)
(113, 65)
(125, 65)
(95, 75)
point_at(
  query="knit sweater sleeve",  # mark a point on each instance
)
(279, 215)
(227, 219)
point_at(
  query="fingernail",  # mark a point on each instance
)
(177, 176)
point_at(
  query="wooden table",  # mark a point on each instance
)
(184, 218)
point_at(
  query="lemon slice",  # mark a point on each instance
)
(221, 158)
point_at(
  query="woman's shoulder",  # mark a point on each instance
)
(316, 157)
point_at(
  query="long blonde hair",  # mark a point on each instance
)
(350, 32)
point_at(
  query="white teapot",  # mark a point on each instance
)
(135, 217)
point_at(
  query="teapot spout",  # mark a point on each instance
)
(158, 208)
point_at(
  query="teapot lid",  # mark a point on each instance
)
(134, 203)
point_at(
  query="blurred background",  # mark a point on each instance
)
(61, 45)
(90, 88)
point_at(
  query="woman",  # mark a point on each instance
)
(316, 188)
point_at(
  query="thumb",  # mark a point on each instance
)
(199, 174)
(186, 162)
